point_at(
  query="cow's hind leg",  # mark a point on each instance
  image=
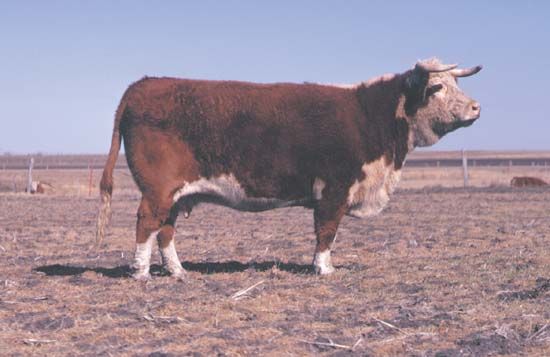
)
(167, 246)
(147, 228)
(151, 221)
(327, 215)
(161, 164)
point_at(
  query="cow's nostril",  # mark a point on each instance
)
(476, 106)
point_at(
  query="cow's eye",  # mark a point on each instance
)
(433, 89)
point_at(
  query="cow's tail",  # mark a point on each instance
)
(106, 184)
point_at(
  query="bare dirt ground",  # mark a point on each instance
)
(441, 272)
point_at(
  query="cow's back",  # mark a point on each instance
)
(220, 103)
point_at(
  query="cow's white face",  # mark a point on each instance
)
(436, 105)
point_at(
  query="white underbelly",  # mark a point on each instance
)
(226, 190)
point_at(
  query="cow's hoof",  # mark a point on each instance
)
(322, 263)
(179, 275)
(324, 270)
(141, 276)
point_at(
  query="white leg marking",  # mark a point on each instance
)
(142, 258)
(322, 264)
(171, 261)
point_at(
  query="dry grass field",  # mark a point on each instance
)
(443, 271)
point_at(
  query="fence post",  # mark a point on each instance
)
(465, 167)
(91, 169)
(29, 178)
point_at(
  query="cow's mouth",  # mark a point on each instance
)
(444, 128)
(468, 122)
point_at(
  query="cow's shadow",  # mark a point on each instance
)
(124, 271)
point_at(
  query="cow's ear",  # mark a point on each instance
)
(416, 83)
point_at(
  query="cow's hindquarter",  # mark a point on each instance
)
(160, 163)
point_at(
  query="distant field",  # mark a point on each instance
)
(478, 176)
(479, 154)
(52, 162)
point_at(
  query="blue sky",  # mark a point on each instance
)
(65, 64)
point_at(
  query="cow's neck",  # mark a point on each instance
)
(385, 127)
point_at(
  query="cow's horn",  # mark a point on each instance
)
(465, 72)
(434, 67)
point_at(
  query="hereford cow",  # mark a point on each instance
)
(335, 149)
(526, 181)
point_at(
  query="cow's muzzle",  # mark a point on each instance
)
(472, 113)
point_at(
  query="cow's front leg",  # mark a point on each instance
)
(327, 215)
(168, 252)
